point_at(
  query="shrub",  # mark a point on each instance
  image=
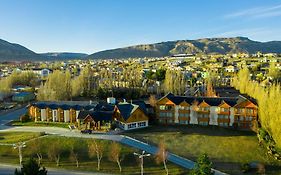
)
(246, 167)
(24, 118)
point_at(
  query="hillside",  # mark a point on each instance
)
(16, 52)
(205, 46)
(63, 55)
(11, 52)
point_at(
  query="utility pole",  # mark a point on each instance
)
(141, 156)
(19, 146)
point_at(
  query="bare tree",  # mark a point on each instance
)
(114, 154)
(35, 146)
(54, 152)
(74, 153)
(96, 149)
(162, 155)
(152, 101)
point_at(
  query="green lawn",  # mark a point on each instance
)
(228, 149)
(130, 164)
(32, 123)
(14, 137)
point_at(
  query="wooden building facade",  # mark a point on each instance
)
(238, 112)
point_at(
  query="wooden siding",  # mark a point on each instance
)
(137, 116)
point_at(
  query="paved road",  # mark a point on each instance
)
(13, 115)
(10, 169)
(183, 162)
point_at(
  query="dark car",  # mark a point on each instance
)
(86, 131)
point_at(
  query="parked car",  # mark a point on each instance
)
(86, 131)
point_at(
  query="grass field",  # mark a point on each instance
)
(130, 164)
(14, 137)
(228, 149)
(31, 123)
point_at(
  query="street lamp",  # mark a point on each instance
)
(141, 156)
(19, 146)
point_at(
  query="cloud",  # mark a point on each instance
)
(258, 12)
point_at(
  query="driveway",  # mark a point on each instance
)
(6, 117)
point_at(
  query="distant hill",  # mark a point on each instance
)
(205, 46)
(16, 52)
(64, 55)
(12, 52)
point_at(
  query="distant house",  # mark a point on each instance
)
(23, 97)
(38, 71)
(231, 69)
(130, 116)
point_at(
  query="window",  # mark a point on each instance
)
(240, 110)
(169, 114)
(203, 123)
(165, 107)
(183, 108)
(249, 118)
(162, 107)
(224, 109)
(141, 124)
(223, 116)
(183, 122)
(132, 125)
(203, 116)
(224, 124)
(183, 114)
(170, 121)
(249, 111)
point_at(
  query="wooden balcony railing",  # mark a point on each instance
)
(223, 120)
(203, 119)
(203, 111)
(223, 112)
(246, 113)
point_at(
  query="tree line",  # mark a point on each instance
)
(124, 83)
(18, 78)
(78, 150)
(268, 99)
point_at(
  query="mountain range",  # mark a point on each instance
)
(16, 52)
(204, 46)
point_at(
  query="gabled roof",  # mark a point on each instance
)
(96, 115)
(141, 104)
(53, 106)
(65, 105)
(246, 103)
(212, 101)
(126, 109)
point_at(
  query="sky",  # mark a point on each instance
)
(88, 26)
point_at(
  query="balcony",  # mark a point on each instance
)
(203, 119)
(251, 113)
(223, 120)
(203, 111)
(246, 113)
(184, 111)
(184, 118)
(221, 112)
